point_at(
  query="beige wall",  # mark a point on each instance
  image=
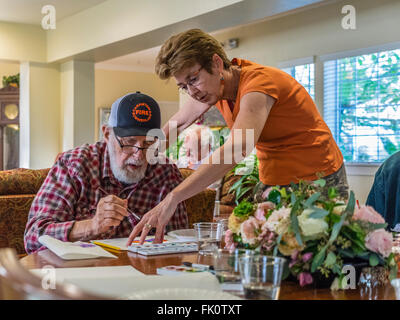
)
(110, 85)
(22, 42)
(8, 69)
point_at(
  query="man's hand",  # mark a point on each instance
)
(111, 210)
(157, 217)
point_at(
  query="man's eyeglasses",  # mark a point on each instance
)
(194, 81)
(130, 149)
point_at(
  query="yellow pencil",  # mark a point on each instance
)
(106, 245)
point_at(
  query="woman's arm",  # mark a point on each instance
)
(253, 114)
(190, 111)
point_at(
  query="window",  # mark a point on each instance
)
(304, 74)
(362, 105)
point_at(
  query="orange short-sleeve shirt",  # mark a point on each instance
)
(295, 143)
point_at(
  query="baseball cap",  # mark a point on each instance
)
(136, 114)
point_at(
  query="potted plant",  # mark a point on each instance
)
(11, 81)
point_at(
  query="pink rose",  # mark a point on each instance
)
(266, 192)
(248, 230)
(380, 241)
(305, 278)
(307, 256)
(367, 213)
(262, 209)
(229, 243)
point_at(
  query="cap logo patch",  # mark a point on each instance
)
(141, 112)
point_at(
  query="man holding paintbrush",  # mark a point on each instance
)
(101, 191)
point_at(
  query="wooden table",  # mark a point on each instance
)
(149, 265)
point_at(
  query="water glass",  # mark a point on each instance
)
(208, 236)
(261, 276)
(396, 285)
(226, 265)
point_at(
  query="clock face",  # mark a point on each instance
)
(11, 111)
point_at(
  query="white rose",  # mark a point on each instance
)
(311, 227)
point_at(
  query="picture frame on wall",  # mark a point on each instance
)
(103, 119)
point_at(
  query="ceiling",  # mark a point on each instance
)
(30, 11)
(144, 60)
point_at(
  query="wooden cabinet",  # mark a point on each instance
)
(9, 128)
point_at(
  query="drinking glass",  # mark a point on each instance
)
(208, 236)
(226, 264)
(261, 276)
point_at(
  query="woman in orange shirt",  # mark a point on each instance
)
(263, 106)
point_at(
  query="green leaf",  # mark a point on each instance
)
(293, 198)
(320, 182)
(278, 241)
(244, 209)
(336, 229)
(336, 269)
(350, 205)
(373, 260)
(310, 201)
(346, 253)
(330, 259)
(243, 192)
(274, 196)
(318, 213)
(318, 259)
(283, 193)
(236, 184)
(332, 192)
(295, 224)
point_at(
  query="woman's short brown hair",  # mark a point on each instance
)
(185, 49)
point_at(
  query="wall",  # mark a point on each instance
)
(110, 85)
(318, 32)
(22, 42)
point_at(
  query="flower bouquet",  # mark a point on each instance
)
(316, 230)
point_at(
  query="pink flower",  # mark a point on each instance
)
(262, 209)
(380, 241)
(305, 278)
(307, 256)
(248, 230)
(367, 213)
(229, 243)
(294, 255)
(259, 215)
(266, 193)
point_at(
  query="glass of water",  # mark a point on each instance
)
(226, 264)
(208, 236)
(261, 276)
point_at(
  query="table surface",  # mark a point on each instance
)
(149, 265)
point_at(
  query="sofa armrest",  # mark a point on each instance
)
(14, 211)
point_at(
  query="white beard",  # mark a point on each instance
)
(121, 173)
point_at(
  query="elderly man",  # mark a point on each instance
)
(99, 191)
(384, 196)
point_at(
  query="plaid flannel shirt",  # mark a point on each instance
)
(71, 193)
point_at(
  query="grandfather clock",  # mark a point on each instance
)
(9, 128)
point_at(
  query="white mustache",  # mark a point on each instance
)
(134, 162)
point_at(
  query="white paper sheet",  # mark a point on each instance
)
(74, 250)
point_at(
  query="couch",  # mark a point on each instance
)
(18, 188)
